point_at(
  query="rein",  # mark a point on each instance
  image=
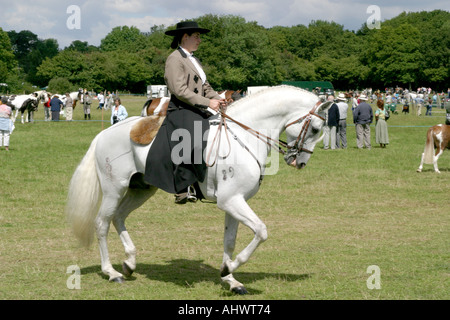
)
(276, 145)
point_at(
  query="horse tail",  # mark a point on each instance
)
(84, 198)
(428, 153)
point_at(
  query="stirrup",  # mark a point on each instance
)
(191, 194)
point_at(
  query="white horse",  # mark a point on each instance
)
(108, 183)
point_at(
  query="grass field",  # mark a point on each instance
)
(346, 211)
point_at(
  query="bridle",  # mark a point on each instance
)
(298, 145)
(276, 145)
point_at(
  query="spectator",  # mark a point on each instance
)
(69, 107)
(55, 107)
(341, 138)
(429, 106)
(87, 101)
(101, 101)
(363, 117)
(47, 112)
(118, 112)
(381, 129)
(5, 123)
(330, 128)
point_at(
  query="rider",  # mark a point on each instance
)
(192, 101)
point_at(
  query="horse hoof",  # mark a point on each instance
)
(118, 280)
(239, 290)
(127, 271)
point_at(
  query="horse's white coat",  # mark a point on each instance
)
(99, 191)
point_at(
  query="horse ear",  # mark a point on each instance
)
(324, 107)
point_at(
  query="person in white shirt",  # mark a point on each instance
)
(118, 112)
(101, 101)
(341, 137)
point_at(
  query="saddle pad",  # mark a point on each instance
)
(144, 131)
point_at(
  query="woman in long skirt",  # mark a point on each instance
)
(381, 129)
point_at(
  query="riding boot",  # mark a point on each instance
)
(89, 115)
(85, 116)
(181, 198)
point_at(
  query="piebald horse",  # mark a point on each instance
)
(75, 95)
(438, 139)
(24, 103)
(108, 184)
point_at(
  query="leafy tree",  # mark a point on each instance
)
(393, 55)
(7, 59)
(81, 46)
(125, 38)
(31, 51)
(60, 85)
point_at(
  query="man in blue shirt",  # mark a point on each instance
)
(363, 117)
(55, 107)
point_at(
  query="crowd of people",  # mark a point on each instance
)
(64, 104)
(335, 129)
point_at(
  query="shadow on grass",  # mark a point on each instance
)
(187, 273)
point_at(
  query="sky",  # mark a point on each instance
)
(92, 20)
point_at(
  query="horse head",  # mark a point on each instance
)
(304, 133)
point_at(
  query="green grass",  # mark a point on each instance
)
(347, 210)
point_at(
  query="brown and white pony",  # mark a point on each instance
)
(438, 139)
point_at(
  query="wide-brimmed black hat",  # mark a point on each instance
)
(186, 26)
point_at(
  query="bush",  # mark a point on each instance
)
(60, 85)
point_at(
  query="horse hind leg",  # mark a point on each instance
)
(421, 163)
(133, 200)
(436, 158)
(105, 215)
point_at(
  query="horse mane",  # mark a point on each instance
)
(263, 91)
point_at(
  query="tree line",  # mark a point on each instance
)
(410, 50)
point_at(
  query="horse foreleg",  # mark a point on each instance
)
(239, 210)
(229, 242)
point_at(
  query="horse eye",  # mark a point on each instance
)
(315, 131)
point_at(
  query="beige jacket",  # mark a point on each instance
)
(183, 81)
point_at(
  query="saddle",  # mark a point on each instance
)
(144, 131)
